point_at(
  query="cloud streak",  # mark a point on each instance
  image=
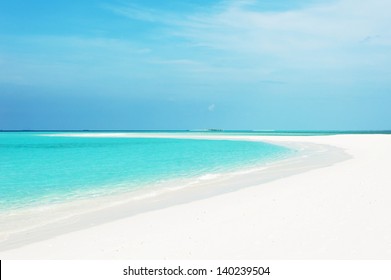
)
(242, 29)
(240, 38)
(306, 41)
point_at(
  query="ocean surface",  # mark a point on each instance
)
(38, 168)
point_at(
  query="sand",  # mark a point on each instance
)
(334, 205)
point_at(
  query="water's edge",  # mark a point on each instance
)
(91, 212)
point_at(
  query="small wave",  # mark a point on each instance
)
(209, 176)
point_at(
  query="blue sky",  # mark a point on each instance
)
(244, 64)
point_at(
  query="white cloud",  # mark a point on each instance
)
(133, 12)
(177, 62)
(328, 26)
(309, 32)
(142, 13)
(319, 42)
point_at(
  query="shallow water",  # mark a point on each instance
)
(37, 168)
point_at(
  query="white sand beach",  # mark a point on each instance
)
(336, 205)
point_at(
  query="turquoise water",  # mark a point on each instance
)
(36, 169)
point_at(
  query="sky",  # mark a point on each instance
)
(177, 64)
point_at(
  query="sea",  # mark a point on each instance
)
(44, 168)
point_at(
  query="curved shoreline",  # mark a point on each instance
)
(84, 214)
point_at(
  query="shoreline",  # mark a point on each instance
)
(322, 155)
(59, 218)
